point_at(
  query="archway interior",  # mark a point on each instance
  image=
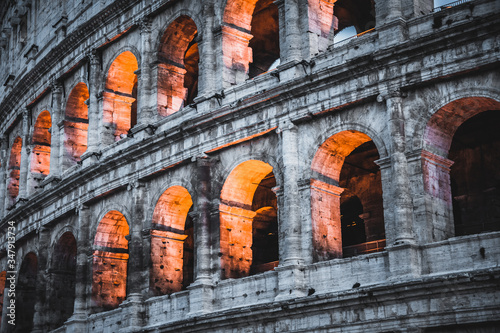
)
(346, 197)
(120, 97)
(359, 14)
(475, 176)
(109, 278)
(40, 155)
(361, 205)
(250, 39)
(178, 66)
(172, 242)
(26, 293)
(248, 221)
(265, 43)
(76, 123)
(61, 278)
(14, 170)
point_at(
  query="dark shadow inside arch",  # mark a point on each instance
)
(26, 293)
(61, 278)
(475, 174)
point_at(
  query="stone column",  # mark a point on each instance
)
(137, 279)
(39, 318)
(306, 226)
(57, 136)
(146, 104)
(404, 256)
(76, 323)
(94, 140)
(390, 23)
(290, 270)
(207, 76)
(201, 291)
(25, 155)
(289, 30)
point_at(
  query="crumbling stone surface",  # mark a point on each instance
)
(229, 166)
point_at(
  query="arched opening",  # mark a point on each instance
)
(3, 276)
(248, 221)
(172, 242)
(76, 123)
(461, 136)
(359, 14)
(14, 170)
(250, 39)
(26, 293)
(475, 176)
(109, 278)
(346, 197)
(119, 97)
(178, 67)
(40, 155)
(61, 278)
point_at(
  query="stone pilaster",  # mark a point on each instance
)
(76, 323)
(289, 30)
(390, 22)
(57, 139)
(25, 155)
(39, 319)
(404, 256)
(290, 270)
(201, 291)
(306, 226)
(146, 104)
(94, 112)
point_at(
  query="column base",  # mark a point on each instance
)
(291, 282)
(404, 261)
(200, 297)
(133, 310)
(77, 323)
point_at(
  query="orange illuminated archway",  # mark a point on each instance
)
(76, 123)
(248, 220)
(120, 97)
(109, 277)
(14, 168)
(178, 67)
(250, 39)
(172, 242)
(40, 155)
(346, 197)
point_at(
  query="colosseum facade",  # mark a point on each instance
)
(249, 166)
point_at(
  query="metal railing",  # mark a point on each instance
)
(449, 5)
(347, 40)
(363, 248)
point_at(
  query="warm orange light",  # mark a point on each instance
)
(14, 169)
(40, 155)
(76, 124)
(168, 241)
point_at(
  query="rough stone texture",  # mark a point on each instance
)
(163, 178)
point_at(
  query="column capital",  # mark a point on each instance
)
(93, 57)
(145, 25)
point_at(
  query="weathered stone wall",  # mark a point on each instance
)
(138, 206)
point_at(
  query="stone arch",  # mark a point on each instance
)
(14, 169)
(76, 123)
(359, 14)
(343, 169)
(26, 292)
(110, 258)
(246, 191)
(178, 59)
(41, 150)
(172, 242)
(62, 279)
(120, 97)
(454, 188)
(250, 39)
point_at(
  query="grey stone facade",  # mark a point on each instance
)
(161, 181)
